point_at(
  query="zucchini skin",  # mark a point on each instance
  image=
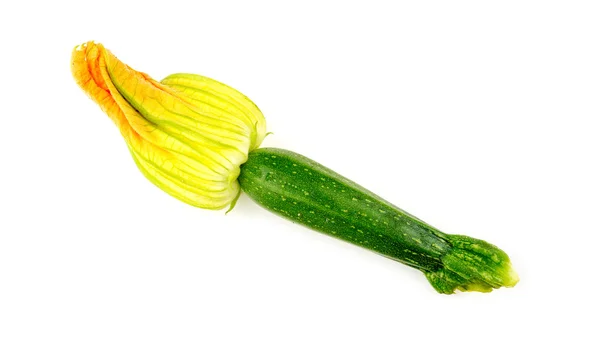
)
(304, 191)
(308, 193)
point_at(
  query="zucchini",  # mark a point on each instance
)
(189, 134)
(310, 194)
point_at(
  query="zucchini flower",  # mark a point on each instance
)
(188, 134)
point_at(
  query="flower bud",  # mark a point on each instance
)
(188, 134)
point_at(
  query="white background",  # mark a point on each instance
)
(479, 117)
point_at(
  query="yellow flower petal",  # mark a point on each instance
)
(188, 134)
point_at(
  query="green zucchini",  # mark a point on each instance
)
(310, 194)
